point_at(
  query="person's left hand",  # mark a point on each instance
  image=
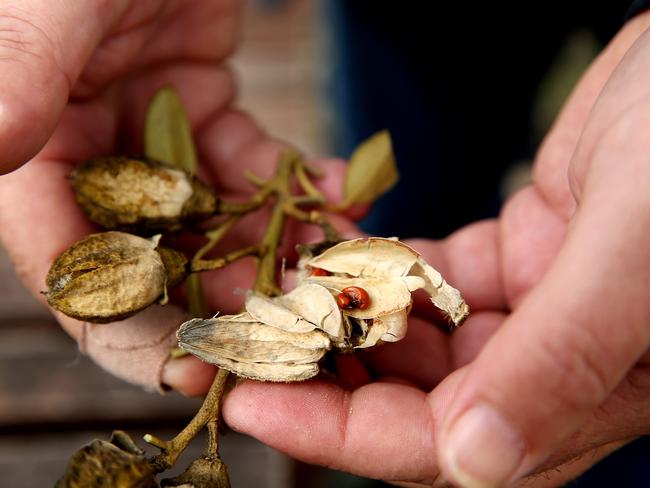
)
(550, 373)
(75, 82)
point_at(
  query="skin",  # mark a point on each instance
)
(557, 344)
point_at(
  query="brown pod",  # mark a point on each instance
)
(140, 195)
(110, 276)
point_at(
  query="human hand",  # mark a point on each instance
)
(551, 371)
(76, 80)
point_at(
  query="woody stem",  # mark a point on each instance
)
(209, 411)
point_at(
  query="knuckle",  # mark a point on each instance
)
(24, 41)
(20, 36)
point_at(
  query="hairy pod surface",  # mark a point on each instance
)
(109, 276)
(140, 195)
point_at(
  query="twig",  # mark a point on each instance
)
(314, 217)
(256, 201)
(253, 178)
(266, 281)
(307, 185)
(212, 264)
(210, 410)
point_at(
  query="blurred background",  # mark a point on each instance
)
(467, 90)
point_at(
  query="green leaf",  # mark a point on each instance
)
(168, 138)
(167, 134)
(371, 172)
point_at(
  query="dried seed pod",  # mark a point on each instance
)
(386, 261)
(202, 473)
(109, 276)
(306, 308)
(140, 194)
(113, 463)
(254, 350)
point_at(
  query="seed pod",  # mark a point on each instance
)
(386, 260)
(202, 473)
(254, 350)
(102, 463)
(110, 276)
(140, 194)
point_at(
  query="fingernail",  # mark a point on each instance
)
(483, 449)
(172, 375)
(187, 375)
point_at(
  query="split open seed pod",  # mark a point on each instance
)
(112, 275)
(388, 271)
(140, 194)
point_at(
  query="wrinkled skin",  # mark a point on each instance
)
(558, 284)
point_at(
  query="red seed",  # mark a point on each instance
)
(353, 297)
(319, 272)
(343, 301)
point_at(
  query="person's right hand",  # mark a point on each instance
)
(75, 80)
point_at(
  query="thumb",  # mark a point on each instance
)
(561, 353)
(44, 45)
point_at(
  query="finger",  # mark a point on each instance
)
(467, 342)
(563, 351)
(202, 30)
(136, 349)
(428, 354)
(469, 260)
(559, 475)
(43, 48)
(552, 161)
(204, 89)
(422, 357)
(380, 430)
(187, 375)
(531, 234)
(232, 143)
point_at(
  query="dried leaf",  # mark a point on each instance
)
(371, 171)
(168, 135)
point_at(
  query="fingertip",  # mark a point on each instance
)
(266, 410)
(188, 375)
(332, 184)
(25, 125)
